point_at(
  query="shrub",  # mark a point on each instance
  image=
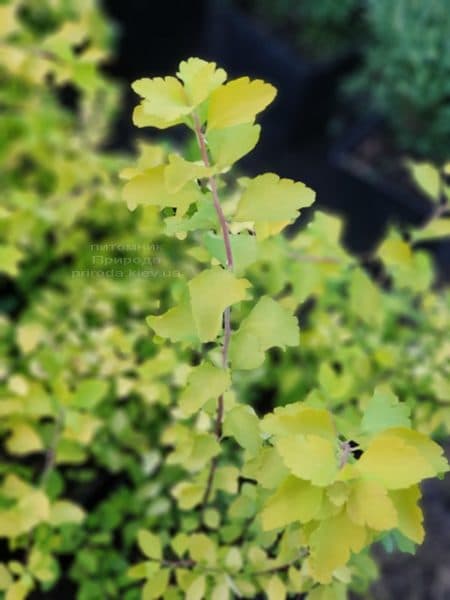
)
(406, 70)
(277, 504)
(322, 28)
(102, 442)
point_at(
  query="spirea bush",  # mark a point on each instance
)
(278, 504)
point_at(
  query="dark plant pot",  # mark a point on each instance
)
(306, 89)
(397, 197)
(405, 199)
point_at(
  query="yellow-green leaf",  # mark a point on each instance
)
(410, 517)
(205, 382)
(331, 544)
(267, 198)
(238, 101)
(149, 189)
(64, 511)
(150, 544)
(164, 98)
(200, 78)
(29, 335)
(19, 590)
(385, 411)
(400, 458)
(365, 298)
(297, 418)
(188, 495)
(229, 145)
(309, 457)
(156, 585)
(196, 590)
(427, 178)
(211, 292)
(180, 171)
(295, 500)
(243, 246)
(23, 439)
(269, 324)
(435, 229)
(176, 324)
(5, 577)
(242, 423)
(369, 504)
(10, 257)
(276, 590)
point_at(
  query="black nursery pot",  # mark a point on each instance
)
(392, 185)
(306, 89)
(398, 198)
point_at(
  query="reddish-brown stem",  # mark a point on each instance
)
(227, 312)
(213, 185)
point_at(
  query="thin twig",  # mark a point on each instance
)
(227, 312)
(191, 564)
(50, 455)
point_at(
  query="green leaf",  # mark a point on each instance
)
(242, 423)
(238, 101)
(269, 199)
(5, 577)
(385, 411)
(202, 549)
(150, 544)
(156, 585)
(267, 468)
(179, 172)
(89, 393)
(19, 590)
(211, 292)
(143, 570)
(205, 382)
(23, 439)
(276, 590)
(434, 229)
(177, 323)
(64, 511)
(243, 246)
(29, 335)
(229, 145)
(10, 257)
(427, 178)
(43, 566)
(188, 495)
(268, 325)
(365, 298)
(149, 188)
(196, 590)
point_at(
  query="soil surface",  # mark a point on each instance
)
(425, 576)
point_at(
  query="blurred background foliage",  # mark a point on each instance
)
(85, 391)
